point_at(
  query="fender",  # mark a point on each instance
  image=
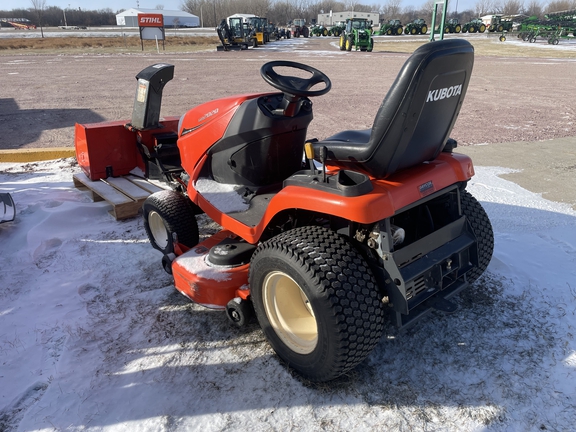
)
(387, 197)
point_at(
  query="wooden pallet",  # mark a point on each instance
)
(125, 194)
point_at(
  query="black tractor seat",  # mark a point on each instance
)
(416, 117)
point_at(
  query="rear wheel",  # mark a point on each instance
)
(399, 31)
(316, 301)
(457, 29)
(482, 28)
(482, 229)
(424, 29)
(168, 214)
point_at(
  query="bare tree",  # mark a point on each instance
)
(351, 5)
(428, 6)
(483, 7)
(159, 6)
(512, 7)
(260, 7)
(559, 5)
(39, 6)
(534, 8)
(392, 8)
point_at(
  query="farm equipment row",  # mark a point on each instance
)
(556, 26)
(394, 27)
(238, 32)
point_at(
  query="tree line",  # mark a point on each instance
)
(54, 16)
(281, 12)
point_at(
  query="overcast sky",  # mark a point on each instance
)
(116, 5)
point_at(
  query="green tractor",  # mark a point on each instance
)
(318, 30)
(497, 24)
(418, 26)
(358, 34)
(337, 29)
(452, 26)
(476, 25)
(392, 27)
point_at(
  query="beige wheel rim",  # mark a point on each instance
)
(290, 313)
(158, 229)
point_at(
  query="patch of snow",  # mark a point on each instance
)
(95, 337)
(222, 196)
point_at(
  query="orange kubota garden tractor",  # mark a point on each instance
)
(321, 239)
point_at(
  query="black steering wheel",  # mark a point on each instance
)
(295, 86)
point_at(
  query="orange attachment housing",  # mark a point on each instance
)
(113, 145)
(206, 284)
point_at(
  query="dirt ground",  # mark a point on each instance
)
(509, 99)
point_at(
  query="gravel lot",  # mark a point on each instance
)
(509, 98)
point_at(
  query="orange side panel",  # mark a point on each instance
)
(208, 285)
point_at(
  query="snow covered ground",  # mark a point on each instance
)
(93, 335)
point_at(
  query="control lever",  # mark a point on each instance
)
(309, 150)
(323, 154)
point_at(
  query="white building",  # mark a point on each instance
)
(331, 18)
(172, 18)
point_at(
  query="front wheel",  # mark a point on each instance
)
(316, 301)
(482, 228)
(169, 215)
(371, 46)
(349, 43)
(342, 43)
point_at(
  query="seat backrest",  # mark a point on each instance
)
(419, 111)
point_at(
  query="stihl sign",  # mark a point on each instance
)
(150, 20)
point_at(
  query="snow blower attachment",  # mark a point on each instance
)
(7, 208)
(385, 228)
(147, 141)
